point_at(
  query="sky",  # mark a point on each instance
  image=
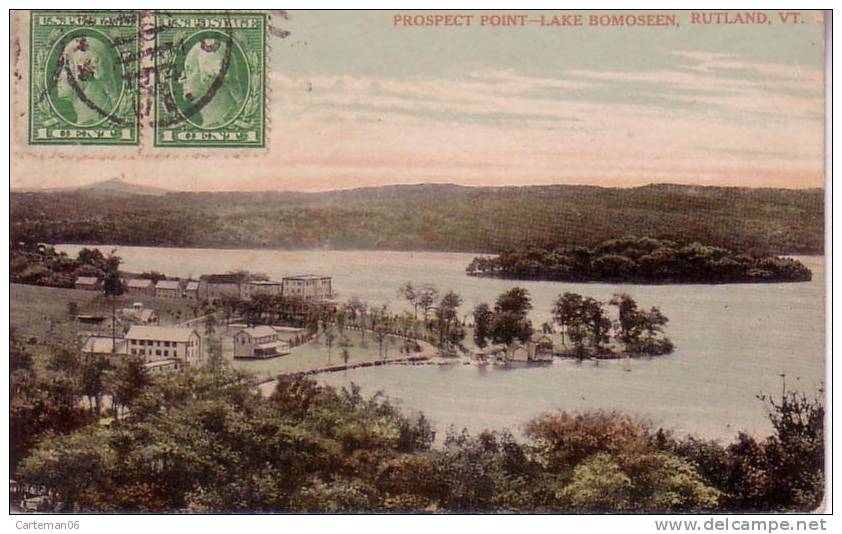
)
(357, 101)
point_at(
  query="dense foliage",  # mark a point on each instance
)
(205, 440)
(66, 392)
(639, 260)
(42, 265)
(586, 323)
(430, 217)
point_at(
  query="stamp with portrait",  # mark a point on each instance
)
(84, 78)
(211, 79)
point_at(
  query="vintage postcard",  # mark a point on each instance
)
(486, 262)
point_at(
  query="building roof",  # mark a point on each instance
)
(222, 278)
(263, 283)
(162, 333)
(192, 285)
(139, 282)
(306, 277)
(259, 331)
(491, 349)
(273, 345)
(288, 329)
(144, 314)
(86, 280)
(103, 345)
(168, 284)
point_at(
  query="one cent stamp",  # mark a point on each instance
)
(84, 78)
(210, 89)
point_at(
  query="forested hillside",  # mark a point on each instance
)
(430, 217)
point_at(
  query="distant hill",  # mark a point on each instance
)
(116, 186)
(426, 217)
(112, 187)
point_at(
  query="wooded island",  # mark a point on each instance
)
(639, 260)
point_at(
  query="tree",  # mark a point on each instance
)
(447, 312)
(509, 321)
(515, 300)
(19, 357)
(597, 320)
(427, 295)
(387, 342)
(76, 468)
(330, 336)
(568, 314)
(131, 379)
(113, 287)
(215, 358)
(509, 326)
(210, 325)
(795, 453)
(93, 380)
(346, 356)
(628, 318)
(155, 276)
(229, 306)
(358, 309)
(409, 292)
(655, 322)
(483, 317)
(380, 334)
(91, 256)
(64, 358)
(340, 321)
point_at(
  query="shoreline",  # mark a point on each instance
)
(645, 283)
(89, 244)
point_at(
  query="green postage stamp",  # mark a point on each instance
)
(185, 79)
(84, 78)
(210, 88)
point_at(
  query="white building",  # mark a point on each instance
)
(191, 290)
(140, 286)
(214, 287)
(262, 287)
(259, 342)
(307, 287)
(163, 342)
(170, 289)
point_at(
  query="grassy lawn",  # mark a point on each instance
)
(35, 310)
(34, 307)
(311, 355)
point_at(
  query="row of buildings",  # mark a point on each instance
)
(214, 287)
(162, 348)
(165, 348)
(536, 350)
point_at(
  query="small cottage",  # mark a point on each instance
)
(259, 342)
(140, 286)
(168, 289)
(191, 290)
(104, 346)
(137, 314)
(90, 283)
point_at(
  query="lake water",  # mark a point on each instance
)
(732, 341)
